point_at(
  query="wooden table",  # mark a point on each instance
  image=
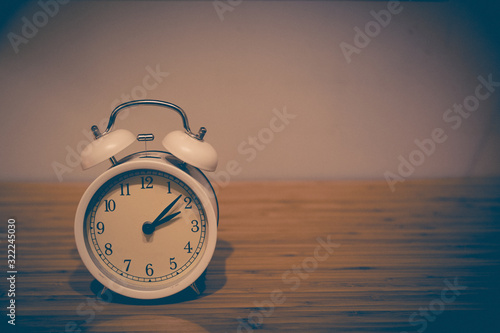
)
(291, 256)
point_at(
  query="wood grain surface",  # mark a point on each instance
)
(291, 256)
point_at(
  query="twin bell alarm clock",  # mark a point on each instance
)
(147, 227)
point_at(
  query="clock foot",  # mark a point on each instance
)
(103, 291)
(199, 285)
(195, 288)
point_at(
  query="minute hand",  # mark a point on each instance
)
(165, 211)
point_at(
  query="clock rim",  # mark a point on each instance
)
(158, 165)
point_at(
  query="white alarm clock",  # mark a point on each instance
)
(147, 227)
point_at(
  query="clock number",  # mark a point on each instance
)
(149, 270)
(147, 182)
(128, 264)
(110, 205)
(188, 200)
(108, 250)
(125, 190)
(195, 227)
(168, 186)
(100, 228)
(188, 247)
(173, 264)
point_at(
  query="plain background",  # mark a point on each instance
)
(232, 70)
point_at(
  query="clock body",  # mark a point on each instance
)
(110, 221)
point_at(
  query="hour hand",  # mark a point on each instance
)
(165, 219)
(149, 227)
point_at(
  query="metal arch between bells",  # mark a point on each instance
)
(185, 122)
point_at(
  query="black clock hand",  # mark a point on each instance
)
(165, 211)
(165, 219)
(149, 227)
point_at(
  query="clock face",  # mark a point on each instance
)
(145, 229)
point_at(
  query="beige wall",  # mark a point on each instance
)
(233, 72)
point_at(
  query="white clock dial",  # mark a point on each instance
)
(135, 239)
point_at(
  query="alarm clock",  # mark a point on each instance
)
(147, 227)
